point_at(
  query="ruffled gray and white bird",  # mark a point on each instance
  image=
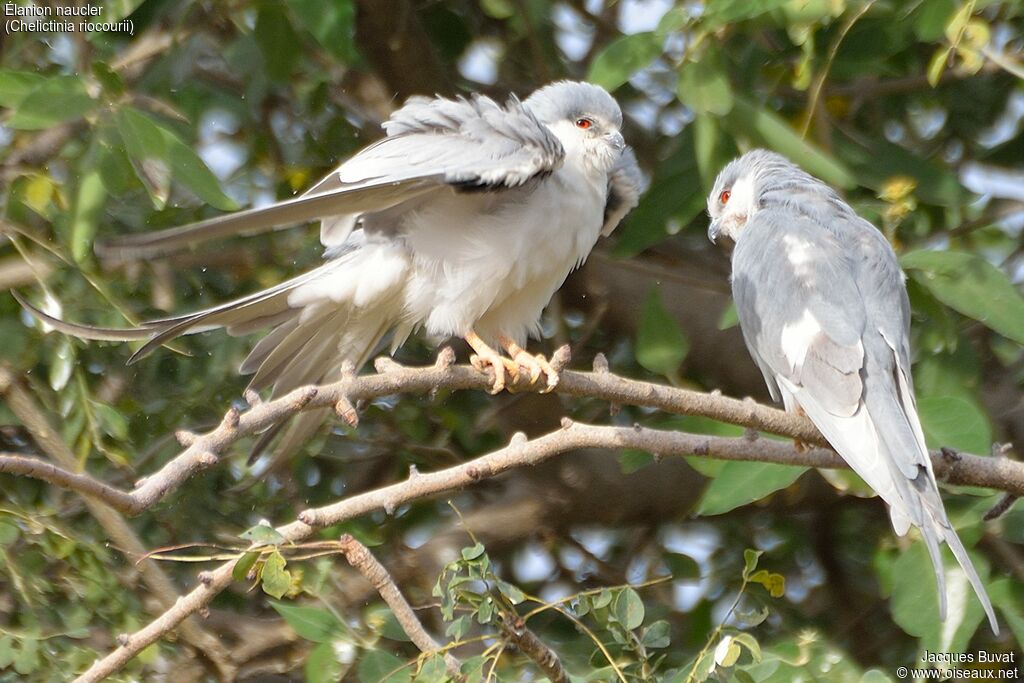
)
(824, 311)
(463, 220)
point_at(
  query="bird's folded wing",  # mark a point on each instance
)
(432, 144)
(804, 317)
(625, 186)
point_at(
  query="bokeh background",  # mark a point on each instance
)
(912, 109)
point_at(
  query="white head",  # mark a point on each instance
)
(761, 179)
(586, 120)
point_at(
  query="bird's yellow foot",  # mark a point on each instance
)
(537, 365)
(486, 357)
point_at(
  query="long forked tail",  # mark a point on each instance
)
(881, 443)
(320, 321)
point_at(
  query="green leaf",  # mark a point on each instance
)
(9, 533)
(277, 41)
(513, 593)
(53, 101)
(322, 666)
(712, 149)
(473, 552)
(661, 345)
(240, 572)
(262, 534)
(631, 460)
(682, 566)
(954, 422)
(739, 483)
(730, 317)
(27, 659)
(274, 578)
(674, 198)
(750, 558)
(628, 608)
(722, 12)
(754, 122)
(915, 606)
(657, 635)
(380, 619)
(378, 666)
(972, 286)
(88, 204)
(6, 651)
(622, 58)
(159, 157)
(930, 17)
(433, 670)
(459, 628)
(16, 85)
(703, 84)
(313, 624)
(331, 23)
(750, 642)
(111, 421)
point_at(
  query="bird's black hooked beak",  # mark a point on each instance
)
(713, 229)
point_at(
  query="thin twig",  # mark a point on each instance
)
(363, 561)
(515, 628)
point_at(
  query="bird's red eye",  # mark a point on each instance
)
(724, 197)
(584, 123)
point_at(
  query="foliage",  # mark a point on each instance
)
(913, 110)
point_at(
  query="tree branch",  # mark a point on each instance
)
(521, 453)
(202, 451)
(546, 659)
(363, 561)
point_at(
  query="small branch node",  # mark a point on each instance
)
(185, 437)
(204, 612)
(600, 363)
(252, 398)
(231, 419)
(950, 455)
(206, 459)
(348, 369)
(414, 472)
(703, 448)
(308, 517)
(347, 412)
(389, 507)
(518, 439)
(445, 358)
(140, 482)
(566, 422)
(123, 639)
(386, 364)
(561, 357)
(751, 434)
(1001, 450)
(637, 427)
(206, 578)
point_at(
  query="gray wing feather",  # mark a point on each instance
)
(625, 185)
(431, 144)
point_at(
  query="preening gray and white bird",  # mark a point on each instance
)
(824, 311)
(463, 220)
